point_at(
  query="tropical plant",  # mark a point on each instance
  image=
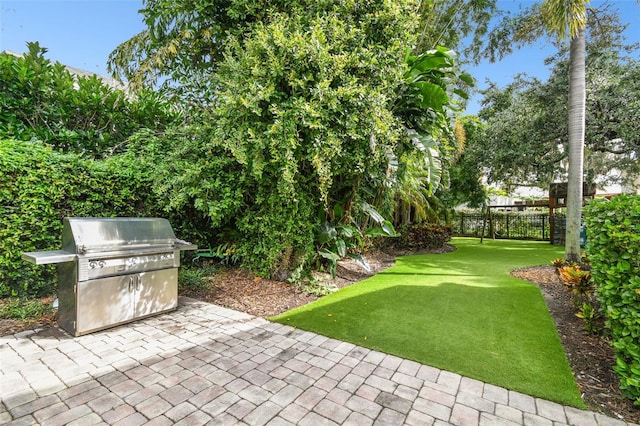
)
(413, 197)
(574, 26)
(564, 19)
(431, 94)
(336, 239)
(577, 278)
(590, 315)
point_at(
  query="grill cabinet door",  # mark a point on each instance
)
(156, 291)
(104, 302)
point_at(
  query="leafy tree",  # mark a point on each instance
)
(184, 40)
(459, 24)
(526, 139)
(42, 100)
(307, 109)
(466, 173)
(561, 19)
(301, 123)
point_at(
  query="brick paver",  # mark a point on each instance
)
(203, 363)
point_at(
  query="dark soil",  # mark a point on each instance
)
(591, 356)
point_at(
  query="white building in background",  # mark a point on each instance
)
(521, 194)
(111, 82)
(518, 195)
(633, 188)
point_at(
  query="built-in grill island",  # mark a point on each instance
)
(113, 270)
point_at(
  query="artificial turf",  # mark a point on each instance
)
(460, 311)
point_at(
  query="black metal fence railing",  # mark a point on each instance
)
(509, 225)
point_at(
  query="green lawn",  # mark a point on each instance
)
(459, 311)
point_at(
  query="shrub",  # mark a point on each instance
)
(578, 280)
(40, 187)
(194, 278)
(423, 236)
(20, 309)
(325, 124)
(42, 100)
(613, 246)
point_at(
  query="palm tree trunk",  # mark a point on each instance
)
(577, 106)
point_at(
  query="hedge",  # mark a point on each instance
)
(39, 187)
(42, 100)
(424, 236)
(613, 248)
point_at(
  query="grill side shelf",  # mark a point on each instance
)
(47, 257)
(184, 245)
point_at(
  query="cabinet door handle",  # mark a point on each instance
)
(130, 284)
(138, 279)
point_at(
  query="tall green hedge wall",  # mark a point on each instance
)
(613, 247)
(39, 187)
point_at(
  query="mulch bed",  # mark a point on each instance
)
(591, 356)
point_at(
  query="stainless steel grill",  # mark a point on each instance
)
(114, 270)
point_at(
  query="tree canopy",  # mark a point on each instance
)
(526, 135)
(459, 24)
(308, 113)
(185, 40)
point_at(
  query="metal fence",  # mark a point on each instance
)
(509, 225)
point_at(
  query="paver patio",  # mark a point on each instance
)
(204, 364)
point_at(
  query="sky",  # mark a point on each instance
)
(82, 33)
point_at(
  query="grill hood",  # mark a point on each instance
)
(97, 235)
(113, 236)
